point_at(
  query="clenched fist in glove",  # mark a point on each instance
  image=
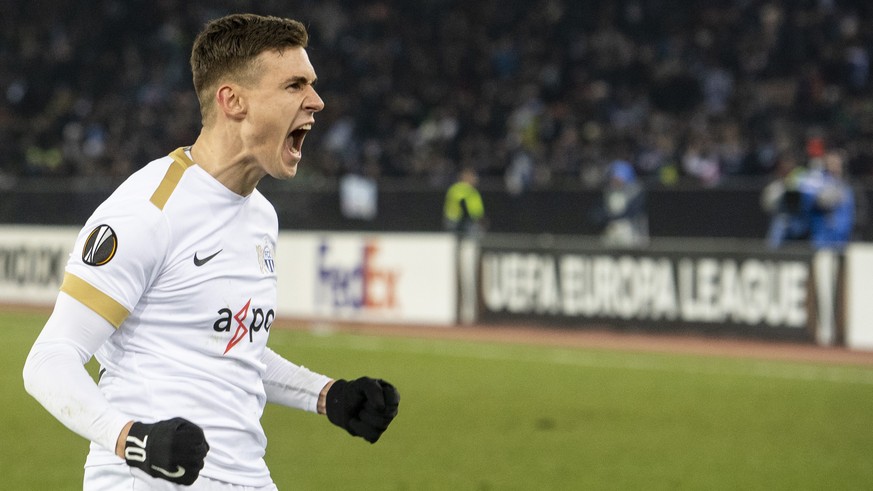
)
(172, 449)
(364, 407)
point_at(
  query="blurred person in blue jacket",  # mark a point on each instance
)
(830, 200)
(623, 210)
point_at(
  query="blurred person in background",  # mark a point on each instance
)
(831, 202)
(359, 196)
(623, 212)
(463, 209)
(173, 285)
(782, 200)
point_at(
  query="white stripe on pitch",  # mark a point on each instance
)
(656, 362)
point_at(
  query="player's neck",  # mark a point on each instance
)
(225, 160)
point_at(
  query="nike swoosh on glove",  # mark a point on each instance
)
(172, 449)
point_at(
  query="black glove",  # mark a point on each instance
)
(364, 407)
(172, 449)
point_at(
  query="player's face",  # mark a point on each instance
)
(281, 109)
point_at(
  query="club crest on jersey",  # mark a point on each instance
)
(265, 257)
(100, 247)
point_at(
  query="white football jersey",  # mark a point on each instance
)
(185, 270)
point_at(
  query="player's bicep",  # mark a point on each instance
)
(75, 325)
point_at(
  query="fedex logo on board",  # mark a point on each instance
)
(353, 277)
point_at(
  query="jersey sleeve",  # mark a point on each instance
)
(117, 255)
(54, 373)
(291, 385)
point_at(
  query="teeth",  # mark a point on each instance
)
(306, 127)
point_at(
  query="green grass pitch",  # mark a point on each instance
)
(483, 416)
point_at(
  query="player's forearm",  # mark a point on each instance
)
(322, 398)
(122, 438)
(55, 377)
(294, 386)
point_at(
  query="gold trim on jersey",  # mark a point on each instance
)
(94, 299)
(171, 179)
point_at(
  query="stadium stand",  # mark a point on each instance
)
(420, 89)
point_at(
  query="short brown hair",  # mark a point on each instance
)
(226, 47)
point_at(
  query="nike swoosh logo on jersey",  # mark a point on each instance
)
(179, 471)
(201, 262)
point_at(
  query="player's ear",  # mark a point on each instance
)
(229, 100)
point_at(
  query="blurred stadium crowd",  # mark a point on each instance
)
(542, 92)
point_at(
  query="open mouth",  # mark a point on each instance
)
(295, 138)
